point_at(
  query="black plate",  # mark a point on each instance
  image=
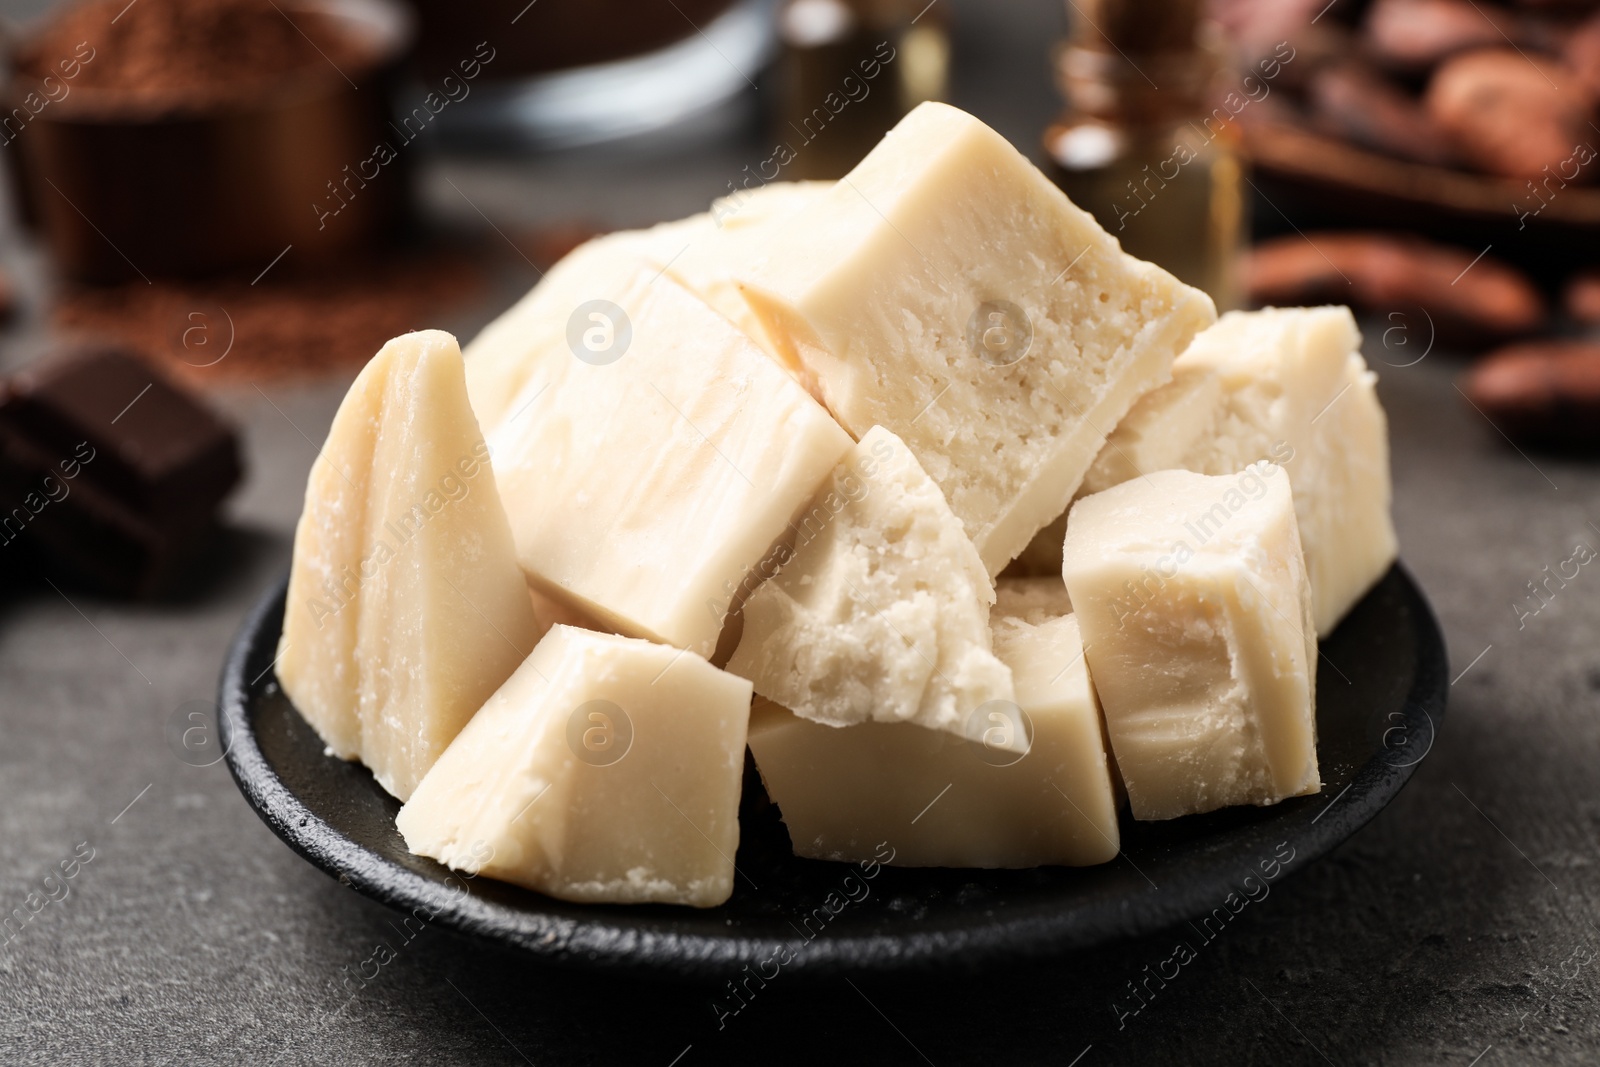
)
(1381, 690)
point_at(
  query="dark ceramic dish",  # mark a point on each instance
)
(1380, 698)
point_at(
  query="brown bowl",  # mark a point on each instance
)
(120, 190)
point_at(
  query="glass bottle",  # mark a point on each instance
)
(1141, 147)
(847, 71)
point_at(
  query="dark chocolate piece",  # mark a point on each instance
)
(110, 472)
(158, 449)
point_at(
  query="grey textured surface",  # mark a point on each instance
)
(1460, 924)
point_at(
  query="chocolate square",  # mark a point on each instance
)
(109, 473)
(156, 448)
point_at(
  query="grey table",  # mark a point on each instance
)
(1459, 928)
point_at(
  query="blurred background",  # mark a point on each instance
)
(246, 198)
(295, 181)
(360, 163)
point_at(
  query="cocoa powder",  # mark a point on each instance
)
(193, 53)
(291, 327)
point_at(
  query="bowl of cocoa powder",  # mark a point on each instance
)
(184, 138)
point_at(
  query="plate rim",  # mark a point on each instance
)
(595, 944)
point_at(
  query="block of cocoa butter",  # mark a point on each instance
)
(110, 473)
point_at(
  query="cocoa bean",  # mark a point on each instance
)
(1582, 297)
(1415, 35)
(1582, 54)
(1541, 393)
(1359, 105)
(1469, 304)
(1510, 114)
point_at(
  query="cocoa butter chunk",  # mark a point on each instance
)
(880, 611)
(1158, 433)
(1296, 389)
(1203, 576)
(406, 607)
(1165, 426)
(1513, 114)
(1544, 393)
(1286, 384)
(110, 471)
(943, 800)
(699, 252)
(606, 770)
(946, 290)
(947, 801)
(647, 477)
(1461, 296)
